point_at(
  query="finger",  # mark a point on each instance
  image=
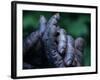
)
(70, 40)
(78, 57)
(42, 19)
(62, 41)
(30, 41)
(51, 24)
(79, 47)
(42, 24)
(69, 55)
(79, 44)
(53, 20)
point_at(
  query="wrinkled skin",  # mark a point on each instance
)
(62, 46)
(69, 56)
(52, 54)
(55, 48)
(34, 37)
(79, 48)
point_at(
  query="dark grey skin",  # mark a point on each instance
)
(42, 24)
(52, 54)
(34, 37)
(46, 38)
(69, 55)
(53, 20)
(79, 44)
(79, 48)
(78, 58)
(62, 40)
(30, 41)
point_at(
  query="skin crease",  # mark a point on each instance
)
(30, 41)
(78, 58)
(60, 51)
(50, 47)
(53, 20)
(79, 48)
(50, 24)
(69, 56)
(62, 41)
(79, 43)
(42, 24)
(34, 36)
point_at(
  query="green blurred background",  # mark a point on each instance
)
(75, 24)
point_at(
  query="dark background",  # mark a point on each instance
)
(75, 24)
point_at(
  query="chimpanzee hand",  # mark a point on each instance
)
(60, 48)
